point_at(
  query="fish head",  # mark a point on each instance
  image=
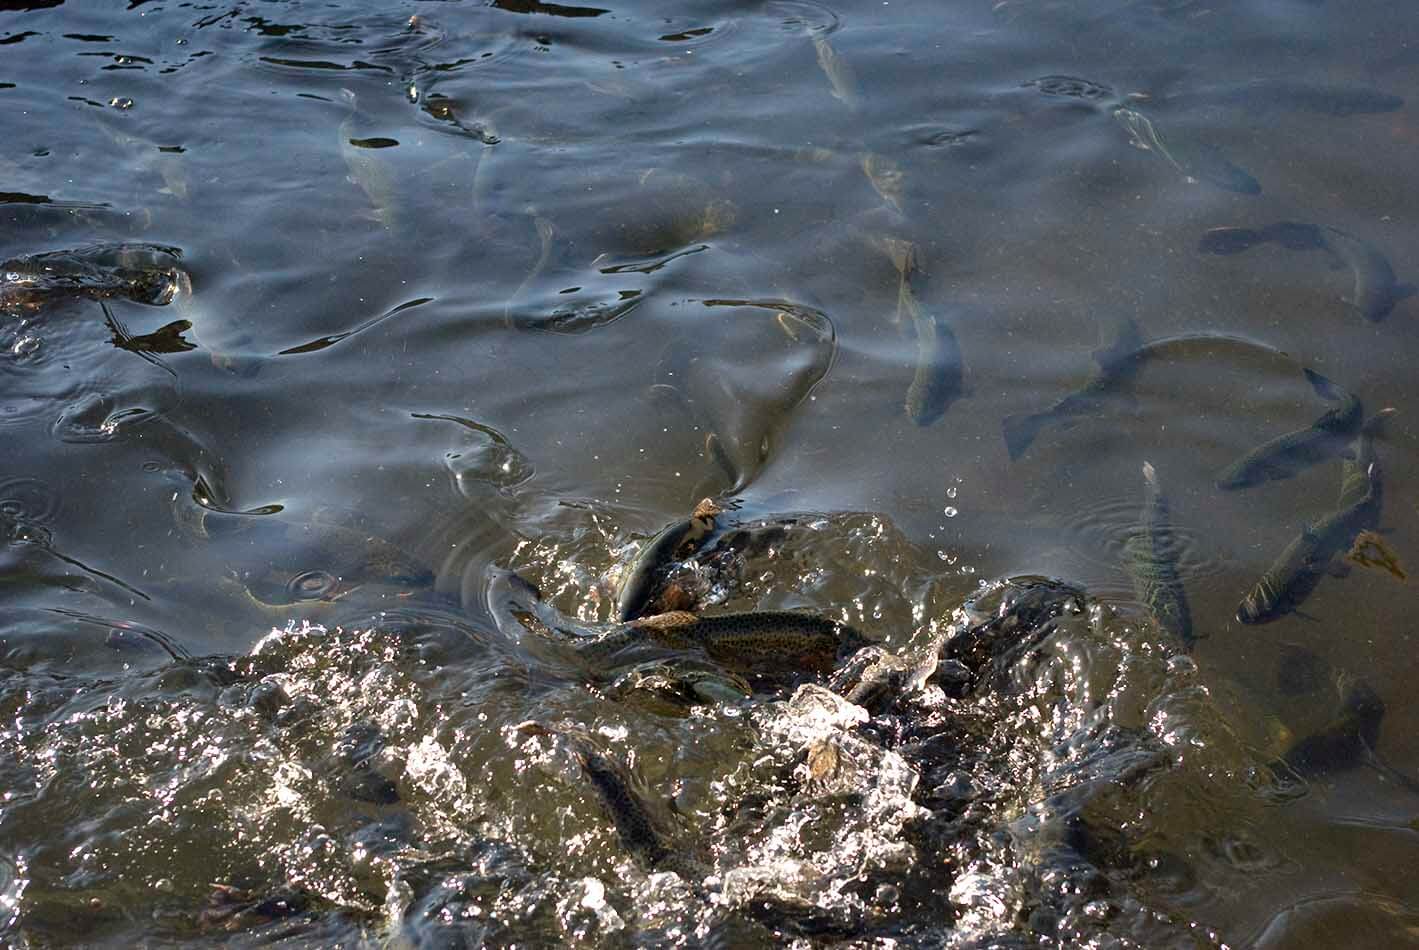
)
(1255, 607)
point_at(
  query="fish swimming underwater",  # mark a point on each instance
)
(1374, 291)
(1197, 161)
(1118, 364)
(1296, 572)
(1152, 562)
(1286, 455)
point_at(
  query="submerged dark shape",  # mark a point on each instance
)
(1287, 455)
(547, 9)
(1347, 742)
(143, 273)
(1152, 562)
(1298, 569)
(1118, 364)
(675, 541)
(1375, 290)
(1343, 743)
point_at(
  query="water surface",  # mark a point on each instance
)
(445, 288)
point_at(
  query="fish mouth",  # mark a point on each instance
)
(1249, 611)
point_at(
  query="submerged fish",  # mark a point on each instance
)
(937, 380)
(1118, 364)
(1152, 561)
(886, 178)
(675, 541)
(839, 73)
(1298, 569)
(367, 169)
(645, 831)
(1374, 291)
(1346, 742)
(1286, 455)
(1197, 161)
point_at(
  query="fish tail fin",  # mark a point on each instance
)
(1324, 388)
(1020, 430)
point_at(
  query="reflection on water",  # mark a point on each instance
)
(314, 323)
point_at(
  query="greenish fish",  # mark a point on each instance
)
(1296, 572)
(1286, 455)
(937, 380)
(1197, 161)
(674, 542)
(839, 73)
(1152, 561)
(1117, 365)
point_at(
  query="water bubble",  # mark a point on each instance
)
(121, 102)
(26, 346)
(951, 492)
(950, 512)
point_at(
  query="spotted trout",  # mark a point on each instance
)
(761, 642)
(1298, 569)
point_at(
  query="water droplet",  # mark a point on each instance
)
(121, 102)
(26, 345)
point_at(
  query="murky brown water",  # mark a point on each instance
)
(314, 319)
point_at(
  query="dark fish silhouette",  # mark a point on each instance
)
(1296, 572)
(1289, 454)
